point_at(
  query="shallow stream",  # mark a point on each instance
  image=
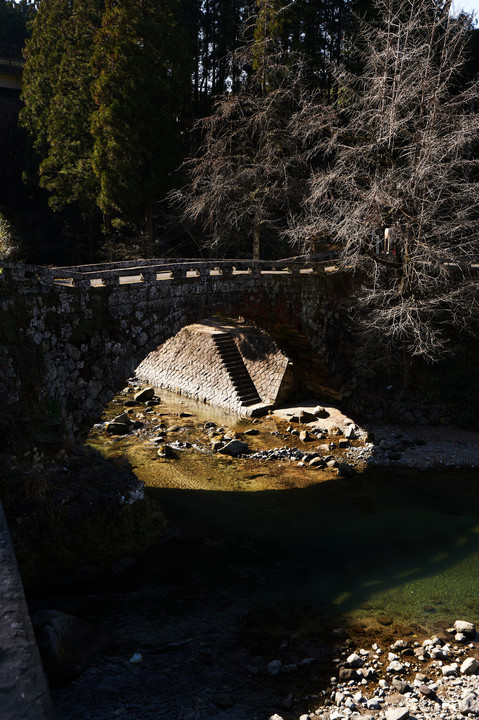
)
(264, 560)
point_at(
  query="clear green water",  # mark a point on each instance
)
(401, 544)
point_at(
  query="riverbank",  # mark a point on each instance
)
(420, 447)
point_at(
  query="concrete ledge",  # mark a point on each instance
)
(24, 691)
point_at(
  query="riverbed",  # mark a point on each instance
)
(264, 560)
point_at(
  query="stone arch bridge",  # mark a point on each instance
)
(71, 337)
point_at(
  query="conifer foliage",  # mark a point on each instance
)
(141, 72)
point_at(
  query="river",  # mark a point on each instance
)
(265, 560)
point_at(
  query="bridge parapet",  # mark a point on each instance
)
(113, 274)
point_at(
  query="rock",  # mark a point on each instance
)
(274, 667)
(343, 444)
(345, 471)
(395, 666)
(466, 628)
(469, 666)
(347, 674)
(251, 431)
(349, 432)
(230, 435)
(67, 644)
(449, 670)
(166, 451)
(469, 705)
(317, 462)
(334, 430)
(373, 704)
(399, 645)
(216, 445)
(400, 713)
(304, 436)
(354, 661)
(144, 395)
(303, 417)
(428, 692)
(234, 448)
(124, 418)
(307, 417)
(320, 412)
(117, 428)
(401, 686)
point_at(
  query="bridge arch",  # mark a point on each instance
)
(73, 336)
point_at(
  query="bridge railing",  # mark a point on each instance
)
(152, 271)
(11, 66)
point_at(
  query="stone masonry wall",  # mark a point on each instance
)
(69, 341)
(190, 364)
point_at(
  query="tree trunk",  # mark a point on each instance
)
(150, 232)
(256, 242)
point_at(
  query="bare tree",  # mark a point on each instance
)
(400, 155)
(249, 173)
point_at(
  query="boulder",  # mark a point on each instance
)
(67, 644)
(469, 705)
(466, 628)
(166, 451)
(401, 686)
(118, 428)
(144, 395)
(124, 418)
(400, 713)
(304, 436)
(334, 430)
(320, 412)
(345, 471)
(234, 448)
(469, 666)
(354, 660)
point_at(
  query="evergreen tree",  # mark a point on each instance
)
(248, 174)
(142, 78)
(14, 17)
(66, 170)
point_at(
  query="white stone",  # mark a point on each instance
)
(449, 669)
(469, 666)
(373, 704)
(400, 713)
(395, 666)
(466, 628)
(354, 660)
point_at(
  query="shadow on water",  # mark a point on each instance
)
(267, 574)
(386, 543)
